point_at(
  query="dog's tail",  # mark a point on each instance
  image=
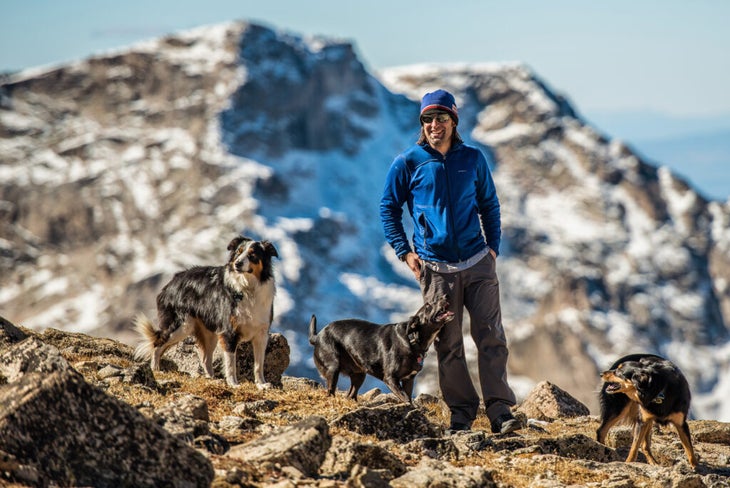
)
(149, 334)
(313, 330)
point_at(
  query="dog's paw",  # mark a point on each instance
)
(232, 381)
(264, 386)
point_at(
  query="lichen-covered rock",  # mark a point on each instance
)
(549, 402)
(235, 424)
(401, 422)
(302, 445)
(185, 417)
(430, 473)
(83, 344)
(275, 362)
(579, 447)
(711, 431)
(343, 456)
(250, 409)
(184, 356)
(72, 433)
(364, 477)
(434, 448)
(139, 374)
(30, 355)
(9, 333)
(469, 442)
(293, 383)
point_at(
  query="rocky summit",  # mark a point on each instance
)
(76, 410)
(124, 168)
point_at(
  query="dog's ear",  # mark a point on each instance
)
(270, 249)
(618, 370)
(413, 324)
(641, 380)
(237, 242)
(413, 330)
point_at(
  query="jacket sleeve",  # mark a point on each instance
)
(489, 210)
(395, 195)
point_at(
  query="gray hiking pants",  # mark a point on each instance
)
(477, 289)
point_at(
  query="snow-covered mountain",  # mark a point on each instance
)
(121, 169)
(695, 147)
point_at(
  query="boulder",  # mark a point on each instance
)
(30, 355)
(549, 402)
(711, 431)
(429, 473)
(9, 333)
(72, 433)
(184, 356)
(578, 446)
(401, 422)
(86, 345)
(302, 445)
(344, 455)
(185, 417)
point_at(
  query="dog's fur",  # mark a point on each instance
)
(233, 303)
(393, 353)
(641, 389)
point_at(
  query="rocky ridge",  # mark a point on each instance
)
(78, 411)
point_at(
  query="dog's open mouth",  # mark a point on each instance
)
(612, 387)
(445, 316)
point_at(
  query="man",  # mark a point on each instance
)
(450, 194)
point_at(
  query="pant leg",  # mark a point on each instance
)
(481, 298)
(454, 380)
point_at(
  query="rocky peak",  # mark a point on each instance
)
(297, 95)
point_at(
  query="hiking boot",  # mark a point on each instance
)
(457, 427)
(505, 424)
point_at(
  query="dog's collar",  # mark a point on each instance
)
(413, 338)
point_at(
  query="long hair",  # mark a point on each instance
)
(455, 137)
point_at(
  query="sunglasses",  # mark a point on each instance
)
(441, 118)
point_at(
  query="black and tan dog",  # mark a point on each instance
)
(392, 353)
(641, 389)
(231, 303)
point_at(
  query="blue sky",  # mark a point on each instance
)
(666, 56)
(646, 71)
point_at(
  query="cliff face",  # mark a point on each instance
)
(119, 170)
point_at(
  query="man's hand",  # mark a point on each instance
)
(414, 262)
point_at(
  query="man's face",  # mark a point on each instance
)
(438, 128)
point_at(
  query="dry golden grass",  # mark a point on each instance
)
(296, 404)
(511, 467)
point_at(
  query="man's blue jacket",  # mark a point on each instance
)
(450, 198)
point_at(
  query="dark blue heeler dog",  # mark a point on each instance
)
(393, 353)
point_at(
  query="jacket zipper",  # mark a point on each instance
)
(450, 210)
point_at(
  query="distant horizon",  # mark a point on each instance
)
(654, 55)
(636, 71)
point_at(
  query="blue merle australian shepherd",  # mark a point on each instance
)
(231, 303)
